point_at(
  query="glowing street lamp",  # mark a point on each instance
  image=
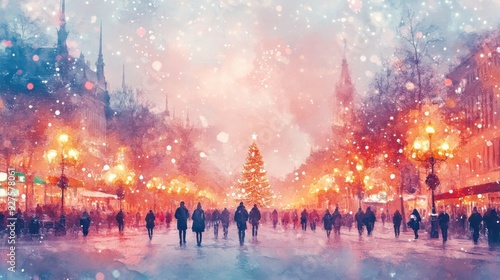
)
(424, 151)
(66, 157)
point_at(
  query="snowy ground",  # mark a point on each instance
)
(276, 254)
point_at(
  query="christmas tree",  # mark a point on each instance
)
(253, 183)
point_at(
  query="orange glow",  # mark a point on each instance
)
(89, 85)
(448, 82)
(430, 130)
(63, 138)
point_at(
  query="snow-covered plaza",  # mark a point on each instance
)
(275, 254)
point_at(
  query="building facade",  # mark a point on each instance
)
(475, 91)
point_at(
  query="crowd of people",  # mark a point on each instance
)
(35, 222)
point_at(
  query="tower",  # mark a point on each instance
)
(343, 96)
(62, 34)
(100, 62)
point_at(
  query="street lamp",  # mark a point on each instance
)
(65, 157)
(425, 152)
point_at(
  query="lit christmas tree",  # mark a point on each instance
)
(253, 183)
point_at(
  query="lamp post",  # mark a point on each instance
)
(65, 158)
(120, 193)
(359, 167)
(424, 151)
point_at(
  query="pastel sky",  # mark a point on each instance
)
(239, 67)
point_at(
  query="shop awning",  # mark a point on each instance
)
(96, 194)
(472, 190)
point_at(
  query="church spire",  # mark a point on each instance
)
(62, 34)
(100, 61)
(345, 77)
(344, 95)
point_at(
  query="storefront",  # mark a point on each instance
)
(465, 199)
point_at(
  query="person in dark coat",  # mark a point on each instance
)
(168, 219)
(313, 219)
(150, 223)
(492, 222)
(396, 220)
(34, 225)
(475, 223)
(327, 222)
(337, 221)
(215, 222)
(182, 215)
(120, 219)
(254, 218)
(414, 222)
(303, 219)
(198, 223)
(369, 220)
(274, 217)
(85, 223)
(383, 216)
(443, 221)
(359, 217)
(241, 218)
(19, 226)
(224, 220)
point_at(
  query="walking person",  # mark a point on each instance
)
(414, 222)
(475, 223)
(224, 219)
(137, 218)
(443, 221)
(241, 218)
(303, 219)
(337, 221)
(254, 218)
(492, 222)
(313, 219)
(198, 223)
(274, 217)
(295, 218)
(327, 222)
(215, 222)
(369, 220)
(359, 217)
(120, 219)
(150, 223)
(396, 220)
(85, 223)
(168, 219)
(383, 216)
(182, 215)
